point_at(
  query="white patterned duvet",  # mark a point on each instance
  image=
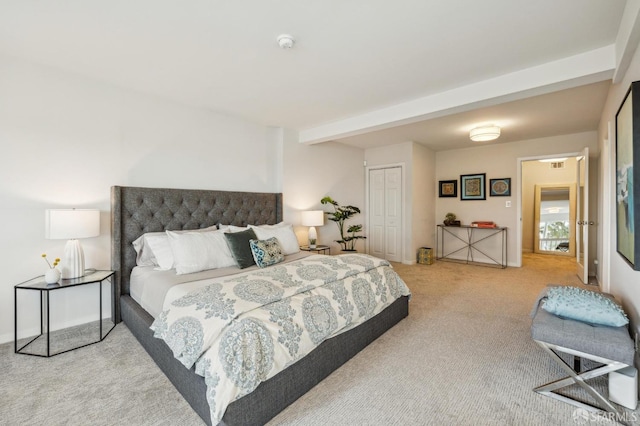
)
(239, 331)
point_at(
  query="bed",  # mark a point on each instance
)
(136, 211)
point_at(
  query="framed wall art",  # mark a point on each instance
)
(627, 177)
(500, 187)
(472, 187)
(448, 188)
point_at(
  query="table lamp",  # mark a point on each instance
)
(313, 218)
(72, 224)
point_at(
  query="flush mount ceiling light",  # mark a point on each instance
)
(286, 41)
(484, 133)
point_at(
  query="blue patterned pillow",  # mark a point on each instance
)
(266, 252)
(584, 305)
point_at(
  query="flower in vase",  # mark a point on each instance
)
(55, 262)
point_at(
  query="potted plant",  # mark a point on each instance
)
(450, 220)
(340, 215)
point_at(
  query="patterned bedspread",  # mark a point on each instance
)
(242, 330)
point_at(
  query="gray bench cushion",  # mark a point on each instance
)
(612, 343)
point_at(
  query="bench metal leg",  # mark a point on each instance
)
(579, 378)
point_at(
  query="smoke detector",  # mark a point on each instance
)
(286, 41)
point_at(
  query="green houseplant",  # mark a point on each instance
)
(449, 218)
(340, 215)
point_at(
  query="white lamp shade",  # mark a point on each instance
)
(483, 134)
(66, 224)
(313, 218)
(71, 224)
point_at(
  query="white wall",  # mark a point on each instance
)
(67, 140)
(424, 195)
(311, 172)
(499, 161)
(622, 281)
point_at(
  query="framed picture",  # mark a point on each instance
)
(448, 188)
(627, 177)
(500, 187)
(472, 187)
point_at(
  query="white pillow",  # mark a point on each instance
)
(161, 249)
(153, 249)
(284, 234)
(233, 228)
(144, 255)
(199, 251)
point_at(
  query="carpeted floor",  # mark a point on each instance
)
(463, 357)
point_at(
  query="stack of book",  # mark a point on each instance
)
(483, 224)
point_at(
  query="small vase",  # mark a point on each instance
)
(52, 276)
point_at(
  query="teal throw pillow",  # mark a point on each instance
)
(584, 305)
(238, 243)
(266, 252)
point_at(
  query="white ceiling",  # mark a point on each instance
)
(353, 60)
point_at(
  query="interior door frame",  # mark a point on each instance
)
(608, 185)
(403, 226)
(519, 161)
(582, 243)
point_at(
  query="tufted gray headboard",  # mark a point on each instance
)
(135, 211)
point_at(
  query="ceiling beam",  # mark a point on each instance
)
(586, 68)
(627, 39)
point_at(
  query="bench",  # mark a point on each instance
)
(610, 346)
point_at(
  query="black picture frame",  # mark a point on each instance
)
(500, 187)
(448, 188)
(473, 187)
(628, 177)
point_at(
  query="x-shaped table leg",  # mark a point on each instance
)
(579, 379)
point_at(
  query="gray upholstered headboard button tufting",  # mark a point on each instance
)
(137, 210)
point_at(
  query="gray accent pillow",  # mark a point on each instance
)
(240, 248)
(584, 305)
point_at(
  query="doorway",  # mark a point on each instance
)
(538, 173)
(577, 170)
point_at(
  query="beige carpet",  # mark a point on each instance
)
(463, 357)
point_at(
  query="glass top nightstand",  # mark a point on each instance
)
(320, 249)
(38, 284)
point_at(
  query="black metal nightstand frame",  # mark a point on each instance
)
(320, 249)
(38, 284)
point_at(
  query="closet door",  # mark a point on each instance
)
(385, 207)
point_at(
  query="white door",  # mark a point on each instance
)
(582, 222)
(385, 213)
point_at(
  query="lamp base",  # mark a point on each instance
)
(73, 260)
(313, 236)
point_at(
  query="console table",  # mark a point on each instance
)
(473, 245)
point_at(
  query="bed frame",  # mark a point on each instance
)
(135, 211)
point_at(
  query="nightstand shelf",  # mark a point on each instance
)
(320, 249)
(38, 284)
